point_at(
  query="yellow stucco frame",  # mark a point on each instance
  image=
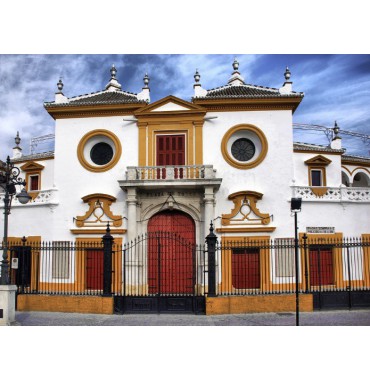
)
(248, 165)
(225, 285)
(86, 138)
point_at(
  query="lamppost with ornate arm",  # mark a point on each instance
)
(9, 179)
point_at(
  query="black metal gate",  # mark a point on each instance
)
(162, 273)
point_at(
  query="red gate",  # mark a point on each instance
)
(94, 269)
(321, 266)
(171, 249)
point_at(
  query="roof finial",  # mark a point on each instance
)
(60, 85)
(287, 74)
(113, 71)
(235, 65)
(196, 76)
(236, 79)
(17, 140)
(336, 129)
(146, 80)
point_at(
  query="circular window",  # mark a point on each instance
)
(243, 149)
(101, 153)
(244, 146)
(99, 150)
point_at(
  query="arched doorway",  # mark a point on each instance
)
(171, 253)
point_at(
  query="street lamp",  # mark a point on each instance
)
(9, 179)
(295, 207)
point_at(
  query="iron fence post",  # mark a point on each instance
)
(296, 269)
(107, 262)
(306, 260)
(211, 240)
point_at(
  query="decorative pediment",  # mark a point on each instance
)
(318, 160)
(170, 104)
(99, 212)
(245, 211)
(32, 166)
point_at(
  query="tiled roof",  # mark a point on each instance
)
(101, 97)
(247, 91)
(34, 157)
(316, 148)
(349, 158)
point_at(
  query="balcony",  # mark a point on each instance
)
(184, 176)
(333, 194)
(44, 197)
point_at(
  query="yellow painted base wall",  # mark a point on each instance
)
(258, 304)
(67, 304)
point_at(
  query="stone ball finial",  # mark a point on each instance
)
(235, 65)
(196, 76)
(60, 85)
(287, 74)
(146, 80)
(113, 71)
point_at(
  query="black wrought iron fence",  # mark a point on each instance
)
(265, 266)
(166, 264)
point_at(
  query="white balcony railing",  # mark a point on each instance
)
(339, 194)
(165, 173)
(44, 197)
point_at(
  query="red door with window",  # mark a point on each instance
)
(170, 151)
(94, 269)
(321, 266)
(245, 266)
(171, 247)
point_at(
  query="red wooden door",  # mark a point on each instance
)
(245, 267)
(170, 253)
(94, 269)
(321, 266)
(171, 151)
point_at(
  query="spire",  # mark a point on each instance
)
(17, 150)
(113, 84)
(236, 79)
(336, 142)
(287, 85)
(146, 80)
(145, 93)
(198, 90)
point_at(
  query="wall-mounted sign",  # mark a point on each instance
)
(14, 263)
(320, 230)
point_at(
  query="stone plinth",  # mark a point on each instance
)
(7, 304)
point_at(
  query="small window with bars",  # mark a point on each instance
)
(61, 259)
(284, 257)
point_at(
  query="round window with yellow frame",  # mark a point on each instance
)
(244, 146)
(99, 150)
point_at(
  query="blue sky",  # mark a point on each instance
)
(336, 87)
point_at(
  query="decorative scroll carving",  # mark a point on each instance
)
(245, 211)
(99, 212)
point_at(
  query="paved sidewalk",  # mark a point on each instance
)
(317, 318)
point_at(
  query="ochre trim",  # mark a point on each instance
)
(86, 138)
(318, 160)
(98, 202)
(366, 253)
(319, 191)
(250, 199)
(100, 231)
(66, 112)
(357, 168)
(323, 239)
(31, 166)
(226, 259)
(262, 104)
(248, 165)
(245, 229)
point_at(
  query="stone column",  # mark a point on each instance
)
(7, 304)
(131, 214)
(209, 200)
